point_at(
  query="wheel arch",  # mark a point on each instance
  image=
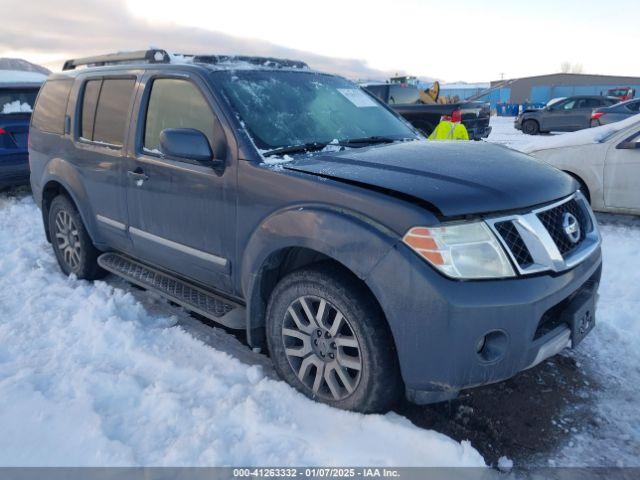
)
(62, 179)
(292, 239)
(584, 187)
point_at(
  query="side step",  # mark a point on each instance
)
(196, 299)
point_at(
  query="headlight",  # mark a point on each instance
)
(464, 251)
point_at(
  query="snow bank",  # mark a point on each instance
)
(16, 107)
(19, 76)
(581, 137)
(90, 376)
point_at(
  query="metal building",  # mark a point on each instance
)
(540, 89)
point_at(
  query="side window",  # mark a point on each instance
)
(89, 104)
(176, 103)
(595, 103)
(51, 106)
(634, 106)
(112, 110)
(568, 105)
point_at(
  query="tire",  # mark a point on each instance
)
(71, 243)
(530, 127)
(349, 364)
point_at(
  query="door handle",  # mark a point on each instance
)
(138, 175)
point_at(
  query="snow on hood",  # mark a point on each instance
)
(17, 76)
(581, 137)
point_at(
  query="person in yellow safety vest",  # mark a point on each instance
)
(450, 128)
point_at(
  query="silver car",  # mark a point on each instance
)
(615, 113)
(567, 115)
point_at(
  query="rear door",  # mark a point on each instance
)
(182, 213)
(583, 110)
(103, 112)
(622, 173)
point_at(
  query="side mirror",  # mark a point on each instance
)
(635, 144)
(187, 143)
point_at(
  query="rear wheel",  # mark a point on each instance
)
(329, 340)
(71, 243)
(530, 127)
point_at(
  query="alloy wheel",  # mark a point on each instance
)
(322, 348)
(68, 239)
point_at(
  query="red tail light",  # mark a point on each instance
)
(456, 116)
(2, 131)
(596, 115)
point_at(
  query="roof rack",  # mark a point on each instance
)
(261, 61)
(153, 55)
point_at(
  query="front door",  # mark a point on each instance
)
(622, 174)
(181, 212)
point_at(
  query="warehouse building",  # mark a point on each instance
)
(540, 89)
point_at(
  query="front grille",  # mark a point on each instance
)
(552, 220)
(514, 243)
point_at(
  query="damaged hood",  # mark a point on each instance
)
(456, 178)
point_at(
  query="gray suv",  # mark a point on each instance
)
(291, 204)
(567, 115)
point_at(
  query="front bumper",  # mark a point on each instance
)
(438, 324)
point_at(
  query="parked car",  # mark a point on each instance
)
(604, 160)
(18, 91)
(405, 99)
(622, 93)
(615, 113)
(568, 115)
(291, 204)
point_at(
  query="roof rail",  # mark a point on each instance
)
(263, 61)
(153, 55)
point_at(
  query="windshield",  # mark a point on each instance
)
(17, 100)
(282, 109)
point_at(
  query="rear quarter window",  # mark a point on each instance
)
(51, 106)
(112, 110)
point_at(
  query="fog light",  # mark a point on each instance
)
(492, 346)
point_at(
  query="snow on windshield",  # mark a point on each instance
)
(16, 107)
(581, 137)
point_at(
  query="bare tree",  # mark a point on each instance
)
(577, 68)
(568, 67)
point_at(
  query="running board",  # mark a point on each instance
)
(189, 296)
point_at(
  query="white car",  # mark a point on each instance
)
(604, 160)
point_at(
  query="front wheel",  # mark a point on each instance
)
(530, 127)
(329, 340)
(71, 243)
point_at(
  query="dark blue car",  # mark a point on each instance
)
(16, 102)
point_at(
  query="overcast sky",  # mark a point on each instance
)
(450, 40)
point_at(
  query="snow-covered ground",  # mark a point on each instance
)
(102, 374)
(105, 374)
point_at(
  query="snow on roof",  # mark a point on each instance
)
(18, 76)
(581, 137)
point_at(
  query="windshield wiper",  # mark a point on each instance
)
(368, 140)
(303, 147)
